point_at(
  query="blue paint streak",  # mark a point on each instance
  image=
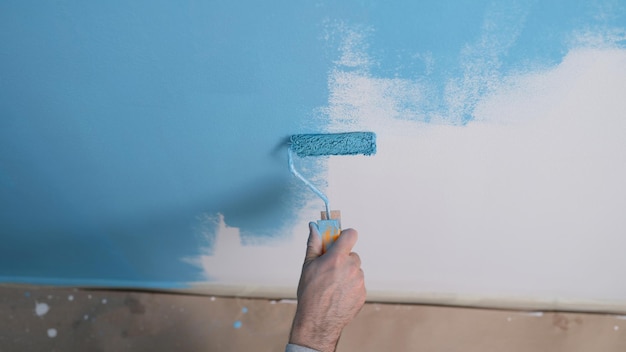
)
(432, 42)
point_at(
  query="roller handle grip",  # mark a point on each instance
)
(329, 229)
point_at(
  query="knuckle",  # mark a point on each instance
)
(335, 260)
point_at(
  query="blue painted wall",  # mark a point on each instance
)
(123, 122)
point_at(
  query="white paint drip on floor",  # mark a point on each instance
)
(288, 301)
(41, 309)
(52, 333)
(533, 314)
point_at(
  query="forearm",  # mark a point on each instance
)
(330, 293)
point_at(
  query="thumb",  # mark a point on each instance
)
(314, 243)
(345, 242)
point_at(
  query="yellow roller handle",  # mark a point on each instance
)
(329, 229)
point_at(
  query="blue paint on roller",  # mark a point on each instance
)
(351, 143)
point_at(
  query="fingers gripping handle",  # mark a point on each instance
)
(329, 229)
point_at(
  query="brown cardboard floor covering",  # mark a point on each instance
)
(100, 320)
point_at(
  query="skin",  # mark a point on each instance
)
(331, 291)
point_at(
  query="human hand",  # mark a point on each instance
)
(331, 291)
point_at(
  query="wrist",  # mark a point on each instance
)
(310, 334)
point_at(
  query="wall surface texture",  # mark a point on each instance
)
(144, 144)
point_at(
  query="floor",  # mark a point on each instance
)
(68, 319)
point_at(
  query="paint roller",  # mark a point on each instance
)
(350, 143)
